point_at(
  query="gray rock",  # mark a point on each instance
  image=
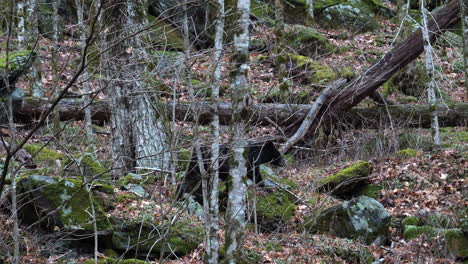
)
(361, 218)
(353, 15)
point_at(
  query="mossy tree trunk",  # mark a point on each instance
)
(236, 211)
(280, 47)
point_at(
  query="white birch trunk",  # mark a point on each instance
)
(430, 74)
(85, 75)
(236, 211)
(214, 198)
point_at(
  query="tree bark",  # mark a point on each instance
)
(429, 62)
(138, 138)
(262, 114)
(236, 208)
(464, 14)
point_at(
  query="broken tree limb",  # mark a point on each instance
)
(368, 82)
(310, 117)
(262, 114)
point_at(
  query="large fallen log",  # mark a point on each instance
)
(263, 114)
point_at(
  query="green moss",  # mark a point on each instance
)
(307, 41)
(87, 165)
(320, 73)
(411, 232)
(371, 190)
(182, 238)
(131, 178)
(347, 73)
(75, 200)
(16, 59)
(407, 99)
(457, 242)
(406, 153)
(411, 221)
(274, 209)
(43, 154)
(273, 246)
(164, 36)
(124, 197)
(360, 168)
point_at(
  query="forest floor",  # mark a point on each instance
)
(432, 182)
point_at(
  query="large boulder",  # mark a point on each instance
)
(348, 182)
(361, 218)
(144, 239)
(275, 203)
(307, 41)
(354, 15)
(62, 203)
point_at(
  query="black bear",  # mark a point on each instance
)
(258, 153)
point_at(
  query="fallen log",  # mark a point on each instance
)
(262, 114)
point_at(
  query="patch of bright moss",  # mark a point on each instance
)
(274, 209)
(182, 238)
(360, 168)
(75, 200)
(457, 242)
(130, 179)
(307, 41)
(320, 73)
(44, 154)
(371, 190)
(407, 153)
(16, 59)
(124, 197)
(88, 165)
(411, 221)
(411, 232)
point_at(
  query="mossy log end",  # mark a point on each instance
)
(263, 114)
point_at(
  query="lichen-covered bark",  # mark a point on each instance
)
(138, 138)
(235, 218)
(214, 209)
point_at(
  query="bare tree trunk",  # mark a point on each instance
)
(464, 15)
(80, 4)
(236, 211)
(279, 47)
(214, 198)
(28, 33)
(430, 74)
(138, 137)
(310, 11)
(54, 62)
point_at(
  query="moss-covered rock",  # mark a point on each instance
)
(109, 260)
(60, 202)
(85, 165)
(43, 156)
(353, 15)
(164, 36)
(456, 241)
(410, 220)
(406, 153)
(130, 178)
(307, 41)
(182, 238)
(361, 218)
(347, 182)
(274, 210)
(319, 72)
(371, 190)
(16, 60)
